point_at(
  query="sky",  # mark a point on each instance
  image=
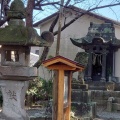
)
(110, 12)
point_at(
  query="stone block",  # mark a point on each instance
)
(117, 87)
(100, 102)
(116, 107)
(8, 72)
(13, 96)
(75, 86)
(81, 96)
(94, 109)
(86, 96)
(81, 109)
(76, 95)
(84, 86)
(110, 86)
(86, 118)
(96, 95)
(80, 86)
(109, 106)
(117, 100)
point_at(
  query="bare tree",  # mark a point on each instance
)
(40, 6)
(91, 7)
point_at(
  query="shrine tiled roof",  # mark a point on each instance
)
(98, 33)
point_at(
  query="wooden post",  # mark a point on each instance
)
(59, 28)
(55, 93)
(60, 104)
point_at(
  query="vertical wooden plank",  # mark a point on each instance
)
(60, 109)
(68, 109)
(55, 93)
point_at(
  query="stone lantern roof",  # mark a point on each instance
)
(16, 33)
(98, 34)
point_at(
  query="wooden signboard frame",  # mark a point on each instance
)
(62, 65)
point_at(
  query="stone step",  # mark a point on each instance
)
(100, 102)
(79, 86)
(104, 95)
(97, 85)
(84, 109)
(81, 96)
(81, 109)
(116, 106)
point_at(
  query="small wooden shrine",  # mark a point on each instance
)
(62, 92)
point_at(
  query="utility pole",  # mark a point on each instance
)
(55, 81)
(59, 28)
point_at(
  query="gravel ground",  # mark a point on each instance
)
(38, 112)
(103, 114)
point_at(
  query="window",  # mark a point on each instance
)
(11, 56)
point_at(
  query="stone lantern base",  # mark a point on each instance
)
(13, 99)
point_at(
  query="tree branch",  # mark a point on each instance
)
(54, 23)
(104, 6)
(85, 12)
(38, 5)
(56, 19)
(42, 58)
(49, 3)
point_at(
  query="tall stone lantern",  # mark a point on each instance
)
(15, 73)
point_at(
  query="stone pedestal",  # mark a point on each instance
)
(13, 99)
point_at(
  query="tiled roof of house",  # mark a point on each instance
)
(78, 10)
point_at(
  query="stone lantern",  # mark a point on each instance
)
(15, 73)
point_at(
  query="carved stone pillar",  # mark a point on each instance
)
(89, 77)
(13, 99)
(103, 77)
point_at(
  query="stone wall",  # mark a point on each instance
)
(101, 97)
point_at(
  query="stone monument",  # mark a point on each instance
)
(15, 73)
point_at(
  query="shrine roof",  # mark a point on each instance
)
(60, 60)
(21, 35)
(99, 34)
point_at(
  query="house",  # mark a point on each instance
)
(77, 29)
